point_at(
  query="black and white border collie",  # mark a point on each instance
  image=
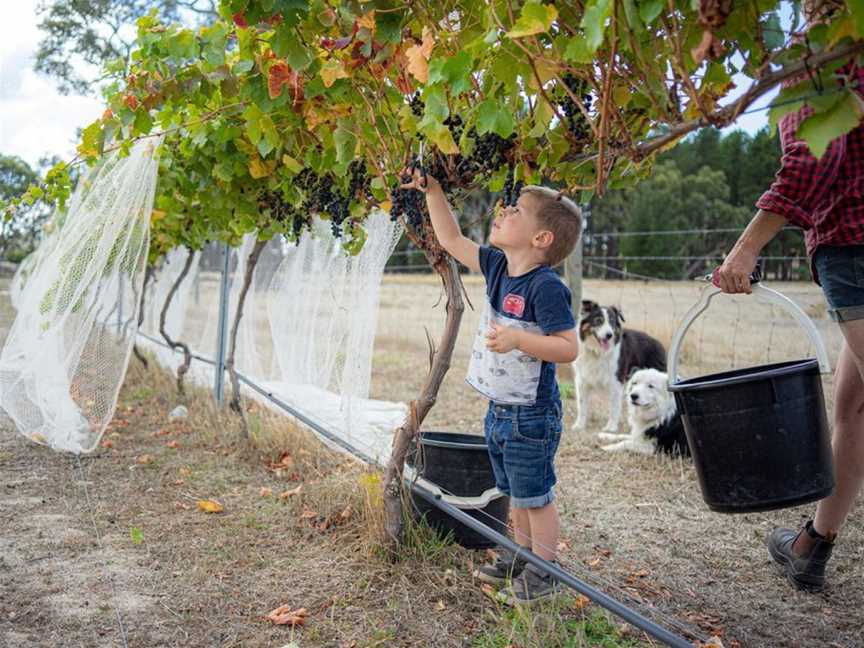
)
(655, 425)
(608, 354)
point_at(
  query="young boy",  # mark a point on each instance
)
(527, 327)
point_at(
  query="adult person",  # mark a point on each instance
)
(825, 197)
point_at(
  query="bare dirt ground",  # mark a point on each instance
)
(634, 526)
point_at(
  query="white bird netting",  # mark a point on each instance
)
(67, 350)
(307, 331)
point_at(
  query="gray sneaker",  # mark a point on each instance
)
(505, 567)
(804, 572)
(532, 586)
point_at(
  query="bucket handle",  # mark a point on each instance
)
(762, 294)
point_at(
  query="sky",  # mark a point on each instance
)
(37, 121)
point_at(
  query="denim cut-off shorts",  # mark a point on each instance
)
(522, 442)
(841, 273)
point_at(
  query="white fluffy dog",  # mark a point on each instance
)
(655, 425)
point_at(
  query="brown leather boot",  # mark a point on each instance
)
(807, 571)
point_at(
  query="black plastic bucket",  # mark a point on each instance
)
(458, 466)
(759, 436)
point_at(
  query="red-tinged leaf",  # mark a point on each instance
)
(275, 19)
(284, 462)
(240, 19)
(278, 75)
(131, 102)
(265, 492)
(108, 114)
(108, 444)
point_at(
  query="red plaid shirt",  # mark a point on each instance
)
(824, 197)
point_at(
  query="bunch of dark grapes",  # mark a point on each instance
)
(454, 123)
(410, 204)
(323, 196)
(491, 152)
(282, 212)
(359, 180)
(511, 190)
(417, 105)
(576, 122)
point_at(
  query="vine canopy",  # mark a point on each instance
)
(282, 110)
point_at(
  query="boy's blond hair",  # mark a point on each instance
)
(561, 216)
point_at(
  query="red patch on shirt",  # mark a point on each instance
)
(514, 304)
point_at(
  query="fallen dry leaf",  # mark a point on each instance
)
(144, 459)
(179, 482)
(210, 506)
(288, 493)
(581, 602)
(344, 515)
(161, 432)
(308, 514)
(181, 506)
(284, 615)
(593, 562)
(265, 492)
(440, 605)
(107, 443)
(173, 444)
(284, 462)
(185, 471)
(489, 591)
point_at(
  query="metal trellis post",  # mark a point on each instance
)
(219, 382)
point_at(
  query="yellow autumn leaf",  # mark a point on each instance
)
(156, 214)
(386, 205)
(292, 164)
(210, 506)
(332, 70)
(418, 57)
(259, 168)
(368, 21)
(443, 139)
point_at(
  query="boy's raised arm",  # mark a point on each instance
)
(460, 247)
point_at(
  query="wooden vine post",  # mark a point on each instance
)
(440, 358)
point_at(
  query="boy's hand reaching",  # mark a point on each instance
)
(502, 339)
(419, 181)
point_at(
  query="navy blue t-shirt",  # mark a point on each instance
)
(537, 302)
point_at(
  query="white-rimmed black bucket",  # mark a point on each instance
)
(456, 467)
(759, 436)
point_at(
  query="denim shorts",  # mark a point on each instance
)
(522, 442)
(840, 270)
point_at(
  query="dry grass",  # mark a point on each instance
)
(186, 578)
(634, 526)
